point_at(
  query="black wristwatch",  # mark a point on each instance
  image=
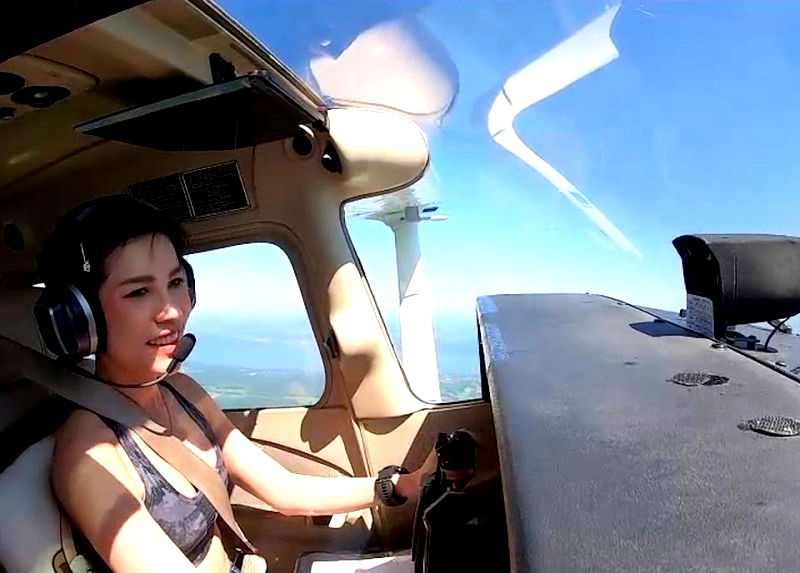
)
(384, 488)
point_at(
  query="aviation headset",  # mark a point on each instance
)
(68, 314)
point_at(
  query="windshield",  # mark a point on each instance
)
(571, 141)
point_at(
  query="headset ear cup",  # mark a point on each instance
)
(187, 268)
(69, 324)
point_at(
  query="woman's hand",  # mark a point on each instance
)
(407, 485)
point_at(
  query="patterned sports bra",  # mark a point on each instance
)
(187, 520)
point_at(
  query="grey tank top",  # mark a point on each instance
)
(187, 520)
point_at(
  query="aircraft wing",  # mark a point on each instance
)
(620, 443)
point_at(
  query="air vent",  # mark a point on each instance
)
(9, 83)
(165, 194)
(773, 426)
(48, 83)
(13, 237)
(195, 194)
(215, 190)
(40, 96)
(698, 379)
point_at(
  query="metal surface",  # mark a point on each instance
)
(607, 467)
(784, 347)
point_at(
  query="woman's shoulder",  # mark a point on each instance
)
(88, 465)
(85, 427)
(84, 441)
(82, 426)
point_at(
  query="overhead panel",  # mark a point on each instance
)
(29, 24)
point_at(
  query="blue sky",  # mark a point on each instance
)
(692, 128)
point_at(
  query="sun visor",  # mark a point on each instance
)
(742, 278)
(239, 113)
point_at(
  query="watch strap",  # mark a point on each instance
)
(385, 489)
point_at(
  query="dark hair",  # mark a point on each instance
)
(88, 233)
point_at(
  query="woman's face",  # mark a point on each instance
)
(146, 303)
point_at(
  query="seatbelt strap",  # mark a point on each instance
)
(27, 364)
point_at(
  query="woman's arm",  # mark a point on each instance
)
(96, 489)
(289, 493)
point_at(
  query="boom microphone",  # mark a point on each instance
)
(182, 351)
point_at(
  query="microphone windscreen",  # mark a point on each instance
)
(185, 347)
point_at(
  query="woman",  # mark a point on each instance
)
(138, 512)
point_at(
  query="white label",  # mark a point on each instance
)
(700, 314)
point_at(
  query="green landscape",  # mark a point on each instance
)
(236, 387)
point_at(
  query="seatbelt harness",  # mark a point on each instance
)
(27, 364)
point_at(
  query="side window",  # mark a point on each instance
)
(255, 347)
(404, 249)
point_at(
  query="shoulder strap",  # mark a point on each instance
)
(103, 400)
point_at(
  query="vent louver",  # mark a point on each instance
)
(195, 194)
